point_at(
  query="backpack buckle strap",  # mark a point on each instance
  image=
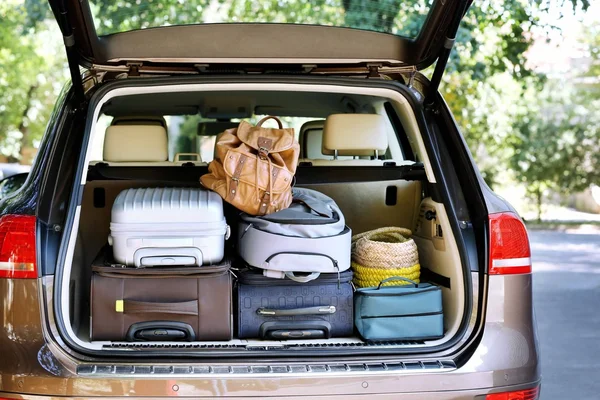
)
(235, 179)
(264, 146)
(266, 199)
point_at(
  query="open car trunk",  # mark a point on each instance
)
(396, 189)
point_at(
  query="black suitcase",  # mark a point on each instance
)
(281, 309)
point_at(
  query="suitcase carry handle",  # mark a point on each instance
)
(318, 310)
(159, 331)
(146, 307)
(281, 330)
(150, 256)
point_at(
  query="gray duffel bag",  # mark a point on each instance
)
(306, 239)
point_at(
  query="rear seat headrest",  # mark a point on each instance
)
(310, 139)
(136, 143)
(355, 135)
(139, 120)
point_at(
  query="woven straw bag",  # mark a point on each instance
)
(383, 253)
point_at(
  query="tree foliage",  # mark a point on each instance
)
(31, 73)
(555, 141)
(556, 145)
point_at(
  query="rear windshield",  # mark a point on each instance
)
(403, 18)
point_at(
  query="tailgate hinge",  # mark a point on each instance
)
(133, 68)
(374, 70)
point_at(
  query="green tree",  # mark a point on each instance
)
(31, 75)
(556, 144)
(18, 76)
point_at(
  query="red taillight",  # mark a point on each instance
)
(17, 246)
(529, 394)
(509, 245)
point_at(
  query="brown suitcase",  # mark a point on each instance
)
(164, 303)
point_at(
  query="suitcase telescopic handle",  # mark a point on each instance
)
(318, 310)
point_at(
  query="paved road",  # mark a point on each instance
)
(567, 301)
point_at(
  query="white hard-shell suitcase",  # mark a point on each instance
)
(168, 226)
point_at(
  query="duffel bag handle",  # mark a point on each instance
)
(259, 124)
(397, 278)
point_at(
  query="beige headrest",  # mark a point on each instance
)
(126, 143)
(355, 134)
(139, 120)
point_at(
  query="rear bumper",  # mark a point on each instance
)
(477, 394)
(168, 381)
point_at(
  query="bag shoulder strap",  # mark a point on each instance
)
(319, 207)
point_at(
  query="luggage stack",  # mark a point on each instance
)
(165, 274)
(300, 284)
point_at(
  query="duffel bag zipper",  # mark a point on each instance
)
(259, 281)
(153, 273)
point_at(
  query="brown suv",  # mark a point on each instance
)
(471, 242)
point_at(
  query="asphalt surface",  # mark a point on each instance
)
(566, 270)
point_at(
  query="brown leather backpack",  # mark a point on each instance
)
(254, 167)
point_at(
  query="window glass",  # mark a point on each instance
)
(390, 16)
